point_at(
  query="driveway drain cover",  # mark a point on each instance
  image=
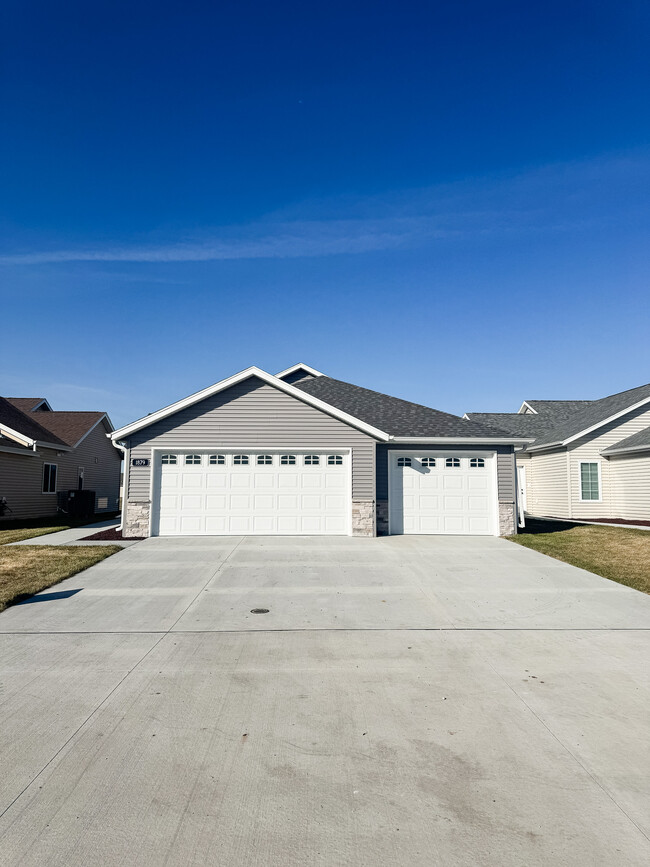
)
(259, 610)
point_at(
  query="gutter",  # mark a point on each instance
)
(627, 450)
(471, 440)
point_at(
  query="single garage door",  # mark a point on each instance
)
(445, 493)
(265, 492)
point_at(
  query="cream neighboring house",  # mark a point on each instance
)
(589, 459)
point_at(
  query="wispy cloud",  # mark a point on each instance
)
(553, 198)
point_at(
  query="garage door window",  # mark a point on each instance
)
(452, 462)
(265, 459)
(168, 459)
(192, 459)
(334, 460)
(312, 460)
(476, 463)
(403, 462)
(217, 459)
(286, 460)
(240, 460)
(428, 462)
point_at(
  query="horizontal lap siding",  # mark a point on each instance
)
(21, 482)
(589, 449)
(630, 487)
(548, 484)
(102, 477)
(252, 415)
(505, 465)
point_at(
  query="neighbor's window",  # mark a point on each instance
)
(476, 462)
(168, 459)
(334, 460)
(217, 459)
(192, 459)
(452, 462)
(589, 481)
(312, 460)
(287, 459)
(403, 462)
(428, 462)
(49, 478)
(240, 459)
(265, 459)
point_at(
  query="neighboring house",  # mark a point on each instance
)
(588, 459)
(301, 453)
(43, 452)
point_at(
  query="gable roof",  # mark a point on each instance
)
(297, 369)
(560, 422)
(638, 442)
(28, 404)
(25, 425)
(399, 418)
(72, 427)
(383, 417)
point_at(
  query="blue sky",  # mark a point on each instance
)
(444, 201)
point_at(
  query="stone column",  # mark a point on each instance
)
(363, 517)
(136, 518)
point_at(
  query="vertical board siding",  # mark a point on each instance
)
(630, 486)
(589, 449)
(252, 415)
(21, 477)
(548, 492)
(505, 465)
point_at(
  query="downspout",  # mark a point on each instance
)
(125, 482)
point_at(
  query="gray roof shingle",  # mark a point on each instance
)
(640, 441)
(392, 415)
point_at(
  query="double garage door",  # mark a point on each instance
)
(246, 492)
(445, 493)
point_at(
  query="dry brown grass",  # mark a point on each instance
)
(19, 533)
(28, 569)
(615, 553)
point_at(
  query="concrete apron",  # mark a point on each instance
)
(410, 701)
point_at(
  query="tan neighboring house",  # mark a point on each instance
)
(589, 459)
(44, 452)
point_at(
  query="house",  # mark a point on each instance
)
(589, 459)
(302, 453)
(43, 451)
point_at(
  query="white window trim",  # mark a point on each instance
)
(600, 482)
(56, 478)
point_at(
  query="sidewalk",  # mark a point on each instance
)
(75, 535)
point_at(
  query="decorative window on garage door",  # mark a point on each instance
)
(193, 459)
(287, 460)
(265, 460)
(168, 459)
(403, 462)
(428, 462)
(334, 460)
(476, 463)
(312, 460)
(240, 460)
(452, 462)
(217, 459)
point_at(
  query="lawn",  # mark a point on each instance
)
(17, 534)
(28, 569)
(615, 553)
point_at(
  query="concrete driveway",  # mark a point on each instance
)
(406, 701)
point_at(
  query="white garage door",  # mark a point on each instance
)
(262, 493)
(442, 493)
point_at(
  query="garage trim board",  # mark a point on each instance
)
(250, 491)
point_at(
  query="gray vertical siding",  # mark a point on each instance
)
(21, 476)
(505, 465)
(252, 415)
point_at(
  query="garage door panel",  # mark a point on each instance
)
(428, 496)
(266, 498)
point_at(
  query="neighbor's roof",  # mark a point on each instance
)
(638, 442)
(557, 422)
(26, 424)
(26, 404)
(72, 426)
(397, 417)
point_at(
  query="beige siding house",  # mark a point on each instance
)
(44, 452)
(589, 460)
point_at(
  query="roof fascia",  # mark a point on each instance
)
(611, 418)
(14, 434)
(224, 384)
(528, 406)
(504, 441)
(17, 451)
(626, 450)
(300, 366)
(59, 447)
